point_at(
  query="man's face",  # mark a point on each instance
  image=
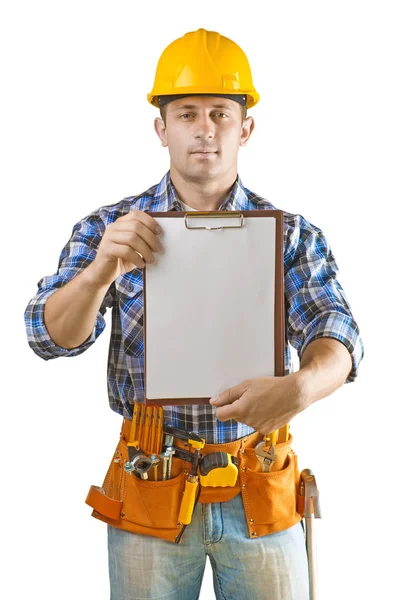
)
(203, 135)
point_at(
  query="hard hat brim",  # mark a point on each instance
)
(252, 98)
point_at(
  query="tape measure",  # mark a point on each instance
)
(218, 469)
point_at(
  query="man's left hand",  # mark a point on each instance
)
(264, 403)
(268, 403)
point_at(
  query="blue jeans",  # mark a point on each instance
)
(272, 567)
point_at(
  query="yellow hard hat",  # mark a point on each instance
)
(203, 62)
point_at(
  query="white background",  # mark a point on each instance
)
(76, 134)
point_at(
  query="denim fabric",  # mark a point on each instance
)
(272, 567)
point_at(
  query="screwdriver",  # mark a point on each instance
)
(191, 485)
(192, 481)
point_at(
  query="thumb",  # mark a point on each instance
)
(228, 412)
(230, 395)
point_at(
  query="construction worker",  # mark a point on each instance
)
(203, 88)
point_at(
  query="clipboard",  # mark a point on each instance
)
(213, 304)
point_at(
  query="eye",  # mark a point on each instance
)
(221, 115)
(186, 116)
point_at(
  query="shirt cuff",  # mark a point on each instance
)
(39, 338)
(341, 327)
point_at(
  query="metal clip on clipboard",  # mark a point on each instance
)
(199, 216)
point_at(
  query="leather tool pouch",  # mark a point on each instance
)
(269, 499)
(152, 507)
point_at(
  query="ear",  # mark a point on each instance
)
(161, 131)
(247, 130)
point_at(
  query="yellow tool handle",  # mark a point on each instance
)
(271, 438)
(147, 425)
(141, 423)
(134, 444)
(218, 470)
(136, 409)
(153, 431)
(188, 500)
(278, 436)
(160, 428)
(138, 419)
(284, 433)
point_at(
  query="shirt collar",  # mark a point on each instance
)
(166, 196)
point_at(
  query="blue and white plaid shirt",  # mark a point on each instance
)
(315, 303)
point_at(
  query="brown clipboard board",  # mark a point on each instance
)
(189, 219)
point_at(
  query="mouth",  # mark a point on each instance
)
(204, 152)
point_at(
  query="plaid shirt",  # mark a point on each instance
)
(315, 304)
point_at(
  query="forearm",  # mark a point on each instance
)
(70, 313)
(324, 367)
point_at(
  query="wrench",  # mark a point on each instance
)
(265, 457)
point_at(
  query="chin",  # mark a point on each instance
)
(206, 170)
(202, 177)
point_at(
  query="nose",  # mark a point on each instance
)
(204, 127)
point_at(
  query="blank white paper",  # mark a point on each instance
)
(209, 307)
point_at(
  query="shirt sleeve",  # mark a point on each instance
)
(316, 305)
(76, 255)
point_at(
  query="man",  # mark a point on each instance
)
(203, 87)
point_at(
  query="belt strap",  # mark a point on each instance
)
(102, 504)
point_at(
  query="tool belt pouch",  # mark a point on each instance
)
(152, 507)
(269, 498)
(139, 505)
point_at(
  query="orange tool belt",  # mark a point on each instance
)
(152, 507)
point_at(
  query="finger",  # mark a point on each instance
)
(128, 255)
(133, 241)
(230, 395)
(139, 229)
(147, 220)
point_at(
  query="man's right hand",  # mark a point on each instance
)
(117, 254)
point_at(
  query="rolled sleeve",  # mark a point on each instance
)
(316, 305)
(39, 338)
(340, 327)
(77, 254)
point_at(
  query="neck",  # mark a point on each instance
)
(205, 196)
